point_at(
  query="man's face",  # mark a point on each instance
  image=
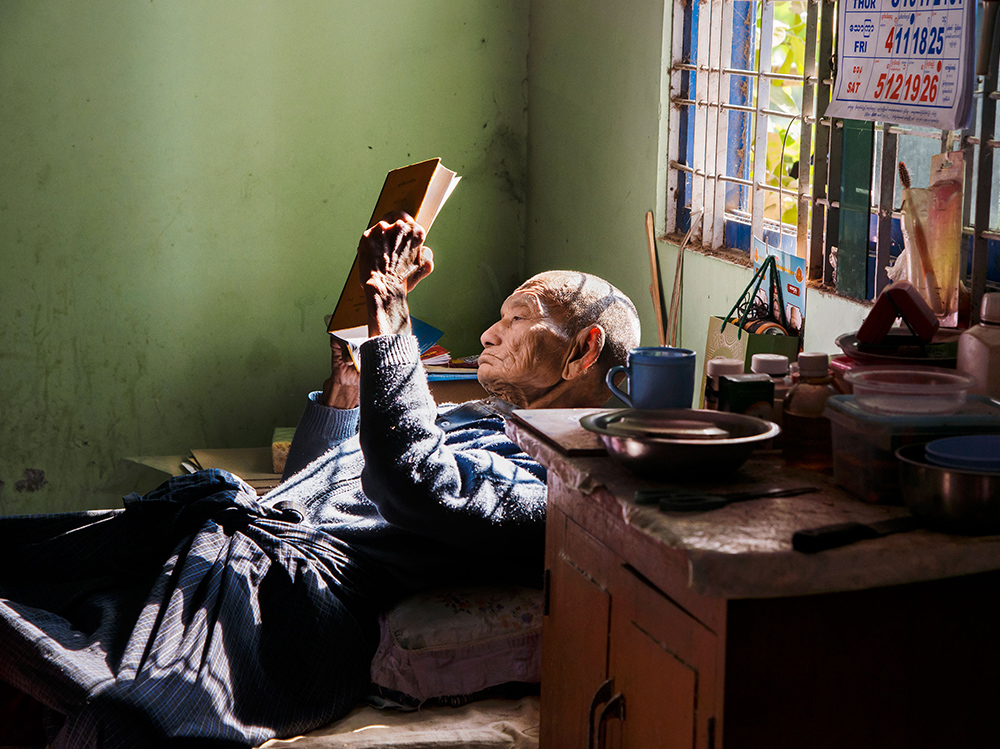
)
(524, 353)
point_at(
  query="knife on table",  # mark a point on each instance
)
(826, 537)
(681, 500)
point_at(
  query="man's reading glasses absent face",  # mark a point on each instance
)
(558, 335)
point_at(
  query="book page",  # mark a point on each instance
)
(439, 190)
(353, 337)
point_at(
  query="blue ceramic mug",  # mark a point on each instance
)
(657, 377)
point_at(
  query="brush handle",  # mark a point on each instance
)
(920, 241)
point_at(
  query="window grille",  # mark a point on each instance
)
(723, 114)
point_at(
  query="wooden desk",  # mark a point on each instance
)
(708, 630)
(456, 391)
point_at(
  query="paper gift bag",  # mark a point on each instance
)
(732, 342)
(747, 330)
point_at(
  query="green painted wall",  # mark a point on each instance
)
(593, 113)
(182, 185)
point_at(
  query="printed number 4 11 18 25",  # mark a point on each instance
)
(926, 41)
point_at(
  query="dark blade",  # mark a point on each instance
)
(826, 537)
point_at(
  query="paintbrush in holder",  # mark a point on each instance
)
(932, 235)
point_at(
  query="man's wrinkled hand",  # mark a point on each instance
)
(394, 248)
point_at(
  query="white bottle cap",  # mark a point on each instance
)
(772, 364)
(721, 366)
(989, 310)
(814, 364)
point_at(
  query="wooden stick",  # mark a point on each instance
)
(677, 293)
(675, 299)
(655, 289)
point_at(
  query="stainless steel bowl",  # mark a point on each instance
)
(949, 499)
(662, 443)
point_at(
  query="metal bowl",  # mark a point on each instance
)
(949, 499)
(659, 443)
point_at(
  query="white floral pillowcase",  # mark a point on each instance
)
(460, 642)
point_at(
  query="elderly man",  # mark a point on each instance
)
(203, 614)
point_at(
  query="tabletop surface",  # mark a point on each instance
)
(744, 550)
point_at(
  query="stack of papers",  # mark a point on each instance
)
(436, 355)
(440, 365)
(446, 372)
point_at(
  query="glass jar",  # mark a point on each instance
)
(807, 437)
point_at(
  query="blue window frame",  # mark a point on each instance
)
(722, 181)
(722, 177)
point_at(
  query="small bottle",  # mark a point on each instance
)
(979, 349)
(776, 367)
(714, 369)
(807, 435)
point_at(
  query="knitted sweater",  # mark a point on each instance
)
(415, 506)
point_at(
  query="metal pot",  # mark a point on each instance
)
(949, 499)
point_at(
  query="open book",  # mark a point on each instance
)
(420, 190)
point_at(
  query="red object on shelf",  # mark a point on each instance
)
(898, 300)
(839, 367)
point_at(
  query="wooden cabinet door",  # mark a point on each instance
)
(574, 645)
(662, 662)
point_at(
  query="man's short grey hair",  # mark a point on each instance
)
(588, 300)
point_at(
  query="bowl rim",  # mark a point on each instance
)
(848, 344)
(769, 429)
(954, 381)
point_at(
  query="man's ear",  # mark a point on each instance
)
(586, 348)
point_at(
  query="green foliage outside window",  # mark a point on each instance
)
(788, 52)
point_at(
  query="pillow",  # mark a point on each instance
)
(449, 643)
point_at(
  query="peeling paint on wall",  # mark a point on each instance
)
(34, 479)
(506, 150)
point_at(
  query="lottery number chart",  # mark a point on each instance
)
(905, 61)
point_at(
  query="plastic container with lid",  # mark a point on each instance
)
(714, 369)
(807, 439)
(979, 349)
(864, 442)
(903, 390)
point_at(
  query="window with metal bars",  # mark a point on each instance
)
(752, 154)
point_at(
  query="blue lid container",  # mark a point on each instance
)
(864, 443)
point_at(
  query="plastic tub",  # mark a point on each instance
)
(909, 390)
(864, 443)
